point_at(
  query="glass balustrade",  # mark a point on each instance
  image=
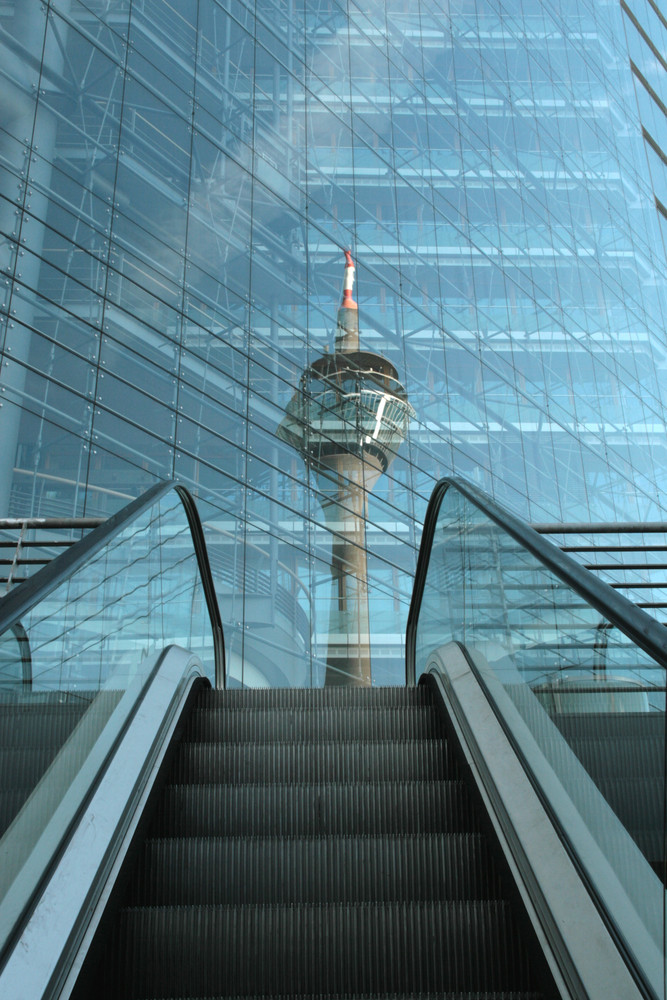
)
(580, 692)
(78, 650)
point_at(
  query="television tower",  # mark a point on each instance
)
(347, 420)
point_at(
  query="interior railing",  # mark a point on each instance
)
(628, 555)
(575, 673)
(82, 645)
(28, 543)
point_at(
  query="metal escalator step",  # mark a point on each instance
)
(615, 726)
(38, 727)
(44, 720)
(621, 759)
(639, 802)
(203, 763)
(315, 870)
(10, 805)
(315, 809)
(650, 843)
(22, 698)
(449, 995)
(343, 697)
(311, 845)
(22, 767)
(322, 950)
(624, 755)
(34, 728)
(458, 995)
(229, 725)
(20, 772)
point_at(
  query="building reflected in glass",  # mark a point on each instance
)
(176, 183)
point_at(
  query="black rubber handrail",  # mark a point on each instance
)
(21, 600)
(201, 552)
(641, 628)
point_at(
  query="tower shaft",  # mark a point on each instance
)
(347, 419)
(348, 646)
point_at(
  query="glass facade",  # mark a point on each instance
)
(177, 181)
(646, 31)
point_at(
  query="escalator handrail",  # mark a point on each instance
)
(22, 599)
(641, 628)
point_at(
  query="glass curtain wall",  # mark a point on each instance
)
(177, 181)
(646, 32)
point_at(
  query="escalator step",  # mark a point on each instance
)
(302, 762)
(614, 726)
(621, 759)
(342, 697)
(624, 755)
(10, 805)
(17, 699)
(23, 767)
(314, 724)
(458, 995)
(306, 810)
(637, 802)
(336, 869)
(327, 950)
(312, 845)
(651, 843)
(40, 727)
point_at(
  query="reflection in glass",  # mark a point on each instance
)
(347, 419)
(176, 180)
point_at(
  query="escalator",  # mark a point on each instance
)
(478, 835)
(624, 753)
(317, 843)
(33, 731)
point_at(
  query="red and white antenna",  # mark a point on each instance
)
(347, 334)
(348, 282)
